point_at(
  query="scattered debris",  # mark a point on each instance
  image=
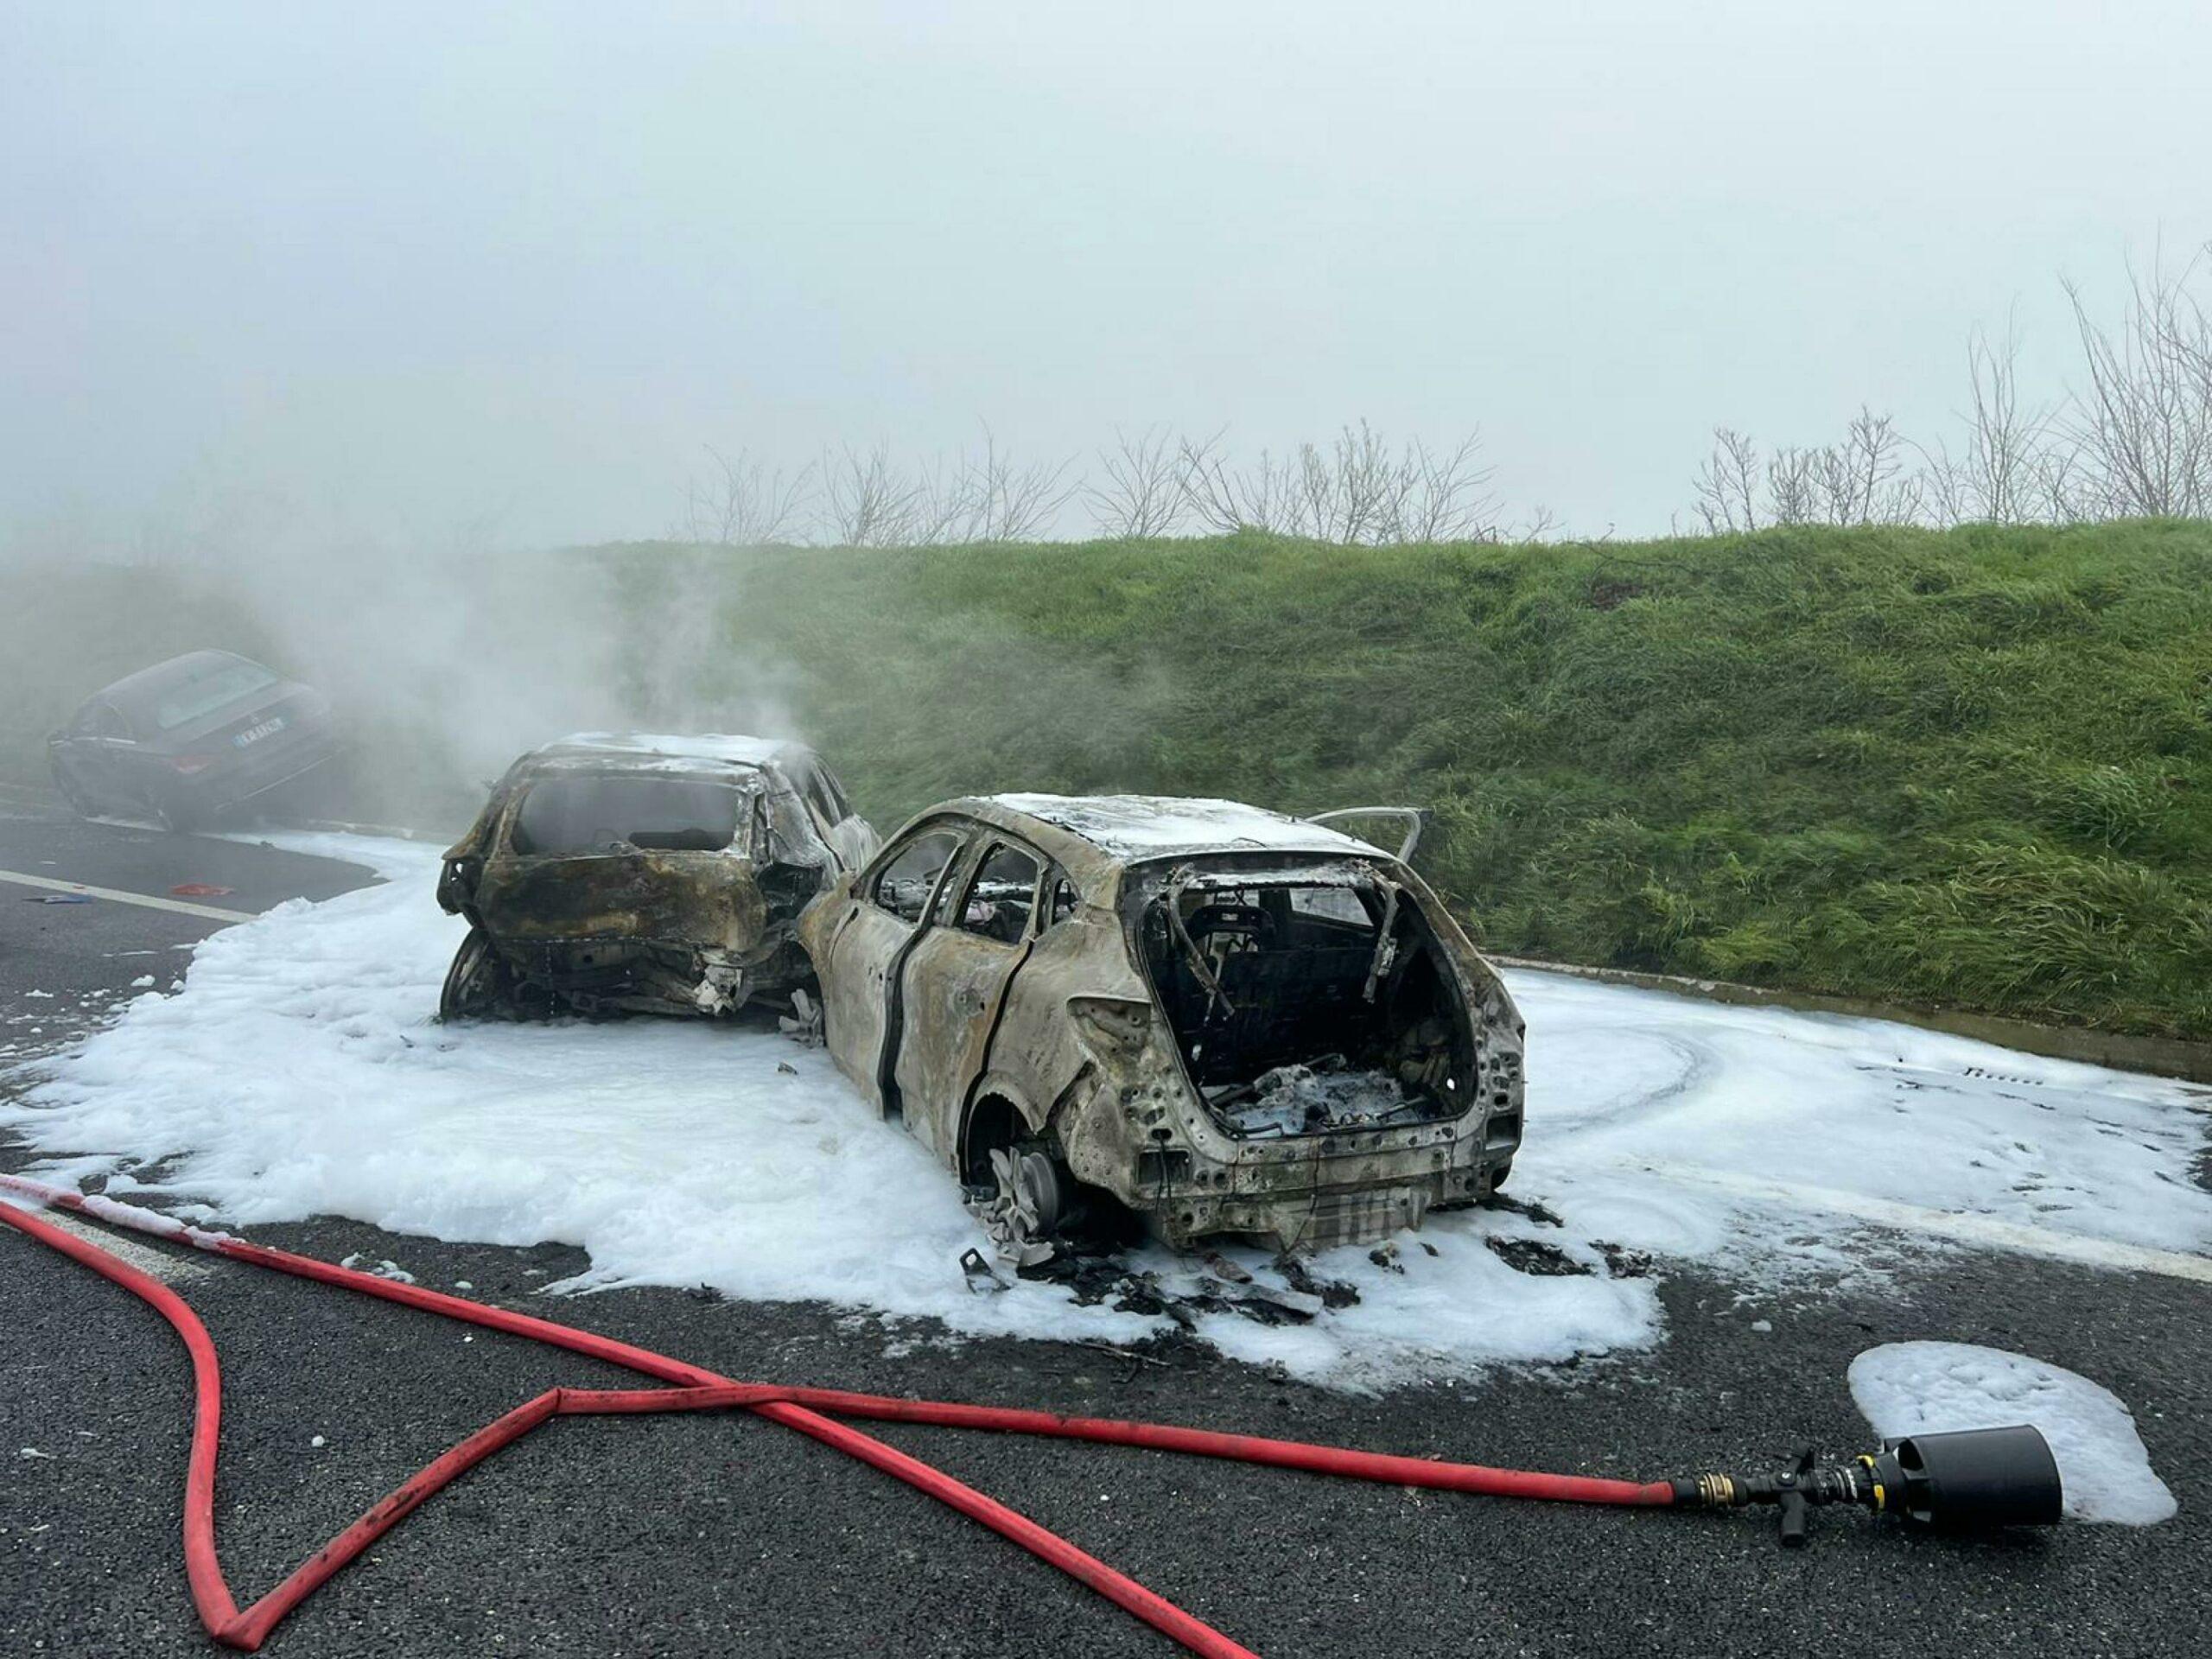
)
(1226, 1269)
(1310, 1099)
(384, 1269)
(200, 890)
(1622, 1262)
(981, 1278)
(59, 898)
(1528, 1210)
(33, 1452)
(1332, 1293)
(1536, 1255)
(802, 1024)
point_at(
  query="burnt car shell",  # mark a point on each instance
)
(611, 872)
(1231, 1021)
(192, 739)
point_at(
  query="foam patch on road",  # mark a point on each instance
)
(300, 1073)
(1923, 1387)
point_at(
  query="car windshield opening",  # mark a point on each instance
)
(1307, 1010)
(208, 691)
(619, 812)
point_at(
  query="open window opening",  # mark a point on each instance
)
(1310, 1007)
(620, 812)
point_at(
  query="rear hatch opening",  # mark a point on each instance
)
(1306, 1002)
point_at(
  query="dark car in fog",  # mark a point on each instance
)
(189, 740)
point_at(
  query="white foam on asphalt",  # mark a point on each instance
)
(300, 1073)
(1923, 1387)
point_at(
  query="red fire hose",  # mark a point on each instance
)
(697, 1390)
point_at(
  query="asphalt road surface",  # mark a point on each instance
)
(714, 1535)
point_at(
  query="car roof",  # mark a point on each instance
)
(1114, 830)
(657, 752)
(133, 691)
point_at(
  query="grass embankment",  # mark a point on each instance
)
(1971, 769)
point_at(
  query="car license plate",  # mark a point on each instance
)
(254, 733)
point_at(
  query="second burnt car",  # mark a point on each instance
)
(1228, 1021)
(619, 872)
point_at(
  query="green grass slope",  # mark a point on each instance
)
(1970, 768)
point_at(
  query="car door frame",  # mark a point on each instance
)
(966, 1059)
(871, 1071)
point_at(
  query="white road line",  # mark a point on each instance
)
(160, 1264)
(122, 898)
(1983, 1230)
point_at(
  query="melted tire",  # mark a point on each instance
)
(478, 985)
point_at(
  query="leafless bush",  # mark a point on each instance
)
(1226, 499)
(1142, 495)
(2144, 417)
(866, 502)
(1540, 526)
(2005, 444)
(1861, 481)
(2135, 439)
(1727, 484)
(1446, 496)
(746, 502)
(1356, 490)
(1791, 492)
(1001, 500)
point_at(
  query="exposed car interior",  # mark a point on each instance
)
(1301, 1009)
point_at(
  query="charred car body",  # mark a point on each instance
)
(189, 740)
(664, 874)
(1230, 1021)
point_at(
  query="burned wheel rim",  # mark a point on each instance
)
(476, 984)
(75, 799)
(1033, 1202)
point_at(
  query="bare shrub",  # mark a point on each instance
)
(1003, 500)
(1357, 490)
(866, 503)
(1446, 496)
(1727, 484)
(1225, 499)
(1791, 494)
(2143, 419)
(1143, 493)
(746, 502)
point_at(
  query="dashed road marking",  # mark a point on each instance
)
(116, 895)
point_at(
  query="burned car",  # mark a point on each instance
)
(640, 874)
(189, 740)
(1222, 1020)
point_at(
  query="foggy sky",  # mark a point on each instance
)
(497, 277)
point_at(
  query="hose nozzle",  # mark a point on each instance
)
(1972, 1480)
